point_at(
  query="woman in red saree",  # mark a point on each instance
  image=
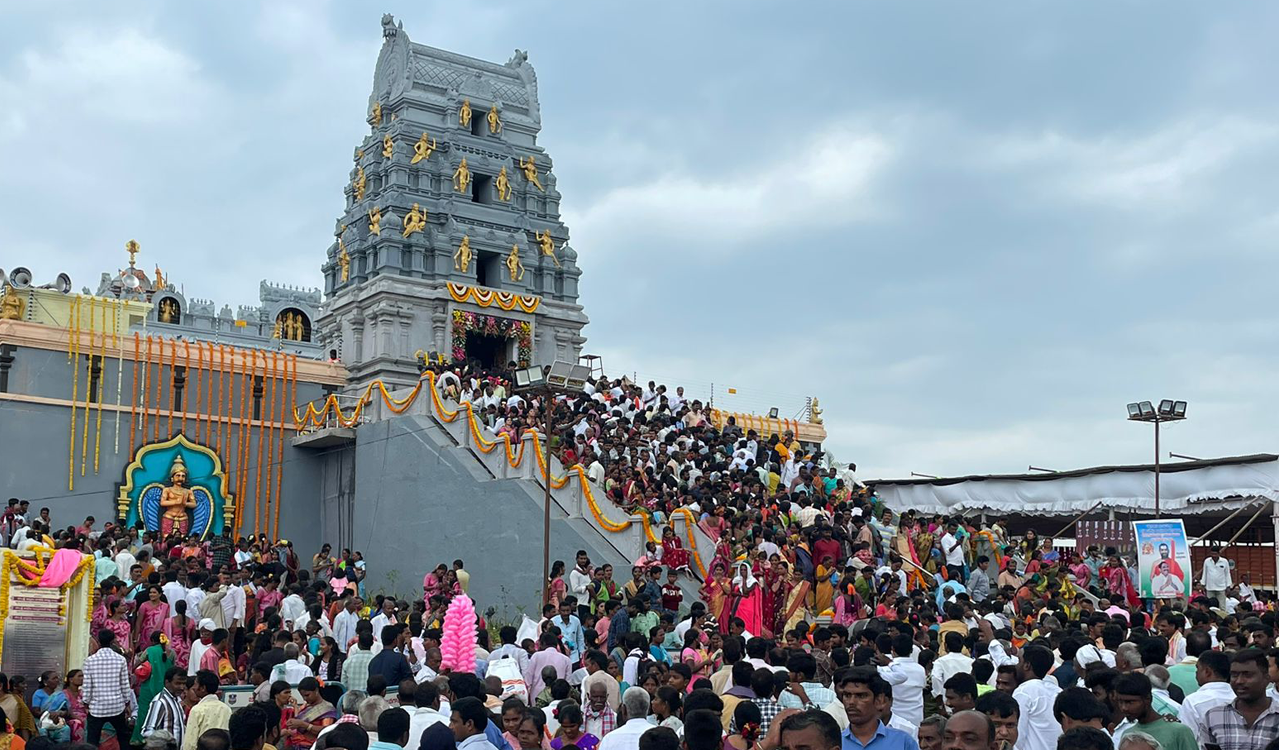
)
(674, 555)
(1119, 587)
(769, 595)
(745, 602)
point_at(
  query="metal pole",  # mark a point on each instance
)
(1247, 524)
(1157, 423)
(546, 506)
(1219, 525)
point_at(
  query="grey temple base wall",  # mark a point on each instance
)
(34, 439)
(417, 500)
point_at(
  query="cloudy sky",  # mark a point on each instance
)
(975, 231)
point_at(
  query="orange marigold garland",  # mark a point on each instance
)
(284, 400)
(257, 481)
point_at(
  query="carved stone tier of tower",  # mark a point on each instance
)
(452, 217)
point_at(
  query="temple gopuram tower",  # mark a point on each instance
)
(451, 242)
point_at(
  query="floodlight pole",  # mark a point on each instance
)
(1157, 425)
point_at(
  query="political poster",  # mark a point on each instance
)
(1164, 559)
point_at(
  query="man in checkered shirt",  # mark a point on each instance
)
(106, 690)
(1252, 720)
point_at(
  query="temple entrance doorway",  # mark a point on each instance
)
(490, 351)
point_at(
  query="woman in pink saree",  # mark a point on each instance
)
(120, 626)
(848, 606)
(180, 631)
(152, 615)
(714, 524)
(433, 584)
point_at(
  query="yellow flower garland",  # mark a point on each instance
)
(311, 416)
(11, 560)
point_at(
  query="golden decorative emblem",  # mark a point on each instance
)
(375, 218)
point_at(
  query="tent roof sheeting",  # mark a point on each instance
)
(1185, 487)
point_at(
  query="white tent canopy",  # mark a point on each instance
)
(1186, 487)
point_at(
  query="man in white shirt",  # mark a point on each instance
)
(344, 624)
(1213, 670)
(290, 670)
(1216, 575)
(233, 604)
(125, 559)
(579, 580)
(195, 595)
(951, 663)
(386, 616)
(292, 607)
(635, 709)
(1038, 729)
(200, 645)
(907, 678)
(424, 712)
(174, 592)
(952, 550)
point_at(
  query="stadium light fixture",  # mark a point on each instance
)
(1168, 411)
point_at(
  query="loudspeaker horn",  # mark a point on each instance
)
(62, 284)
(20, 277)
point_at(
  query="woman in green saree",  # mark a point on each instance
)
(150, 665)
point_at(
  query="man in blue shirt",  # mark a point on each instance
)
(866, 695)
(390, 663)
(570, 629)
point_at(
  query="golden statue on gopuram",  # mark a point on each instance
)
(462, 258)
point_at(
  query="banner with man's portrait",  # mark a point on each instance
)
(1164, 559)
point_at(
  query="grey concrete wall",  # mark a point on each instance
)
(421, 500)
(34, 442)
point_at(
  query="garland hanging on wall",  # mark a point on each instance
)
(493, 298)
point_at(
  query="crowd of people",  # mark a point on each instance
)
(824, 620)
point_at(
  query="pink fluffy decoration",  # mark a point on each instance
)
(458, 641)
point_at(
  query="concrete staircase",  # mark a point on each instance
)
(486, 505)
